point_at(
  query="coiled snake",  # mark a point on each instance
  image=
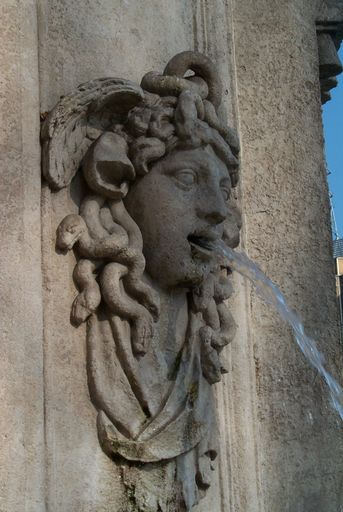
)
(110, 245)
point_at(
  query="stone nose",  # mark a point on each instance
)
(213, 209)
(215, 217)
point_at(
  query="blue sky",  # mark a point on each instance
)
(333, 130)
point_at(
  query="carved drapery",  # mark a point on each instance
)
(157, 166)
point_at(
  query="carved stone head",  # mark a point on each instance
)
(159, 167)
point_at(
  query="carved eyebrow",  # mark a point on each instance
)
(186, 163)
(197, 164)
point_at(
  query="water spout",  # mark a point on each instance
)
(271, 294)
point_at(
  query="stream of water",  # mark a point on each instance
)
(271, 294)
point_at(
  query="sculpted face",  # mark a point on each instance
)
(181, 202)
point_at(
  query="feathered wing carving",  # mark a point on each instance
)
(78, 119)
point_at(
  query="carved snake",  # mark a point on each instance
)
(89, 298)
(109, 233)
(219, 328)
(122, 305)
(206, 82)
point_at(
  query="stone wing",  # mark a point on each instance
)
(78, 119)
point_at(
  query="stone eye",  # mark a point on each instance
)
(186, 177)
(72, 229)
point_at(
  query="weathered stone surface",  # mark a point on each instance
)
(21, 324)
(287, 230)
(279, 450)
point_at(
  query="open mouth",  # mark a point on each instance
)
(200, 241)
(201, 246)
(204, 247)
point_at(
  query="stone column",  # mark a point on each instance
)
(80, 41)
(299, 442)
(281, 444)
(21, 361)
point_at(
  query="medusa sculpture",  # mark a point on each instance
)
(158, 168)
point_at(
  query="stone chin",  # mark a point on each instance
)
(185, 271)
(176, 262)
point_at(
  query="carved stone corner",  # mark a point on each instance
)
(329, 26)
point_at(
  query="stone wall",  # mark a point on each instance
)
(287, 230)
(281, 445)
(21, 325)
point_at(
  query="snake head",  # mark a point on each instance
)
(69, 231)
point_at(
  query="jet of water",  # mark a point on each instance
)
(271, 294)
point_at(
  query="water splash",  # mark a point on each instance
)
(271, 294)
